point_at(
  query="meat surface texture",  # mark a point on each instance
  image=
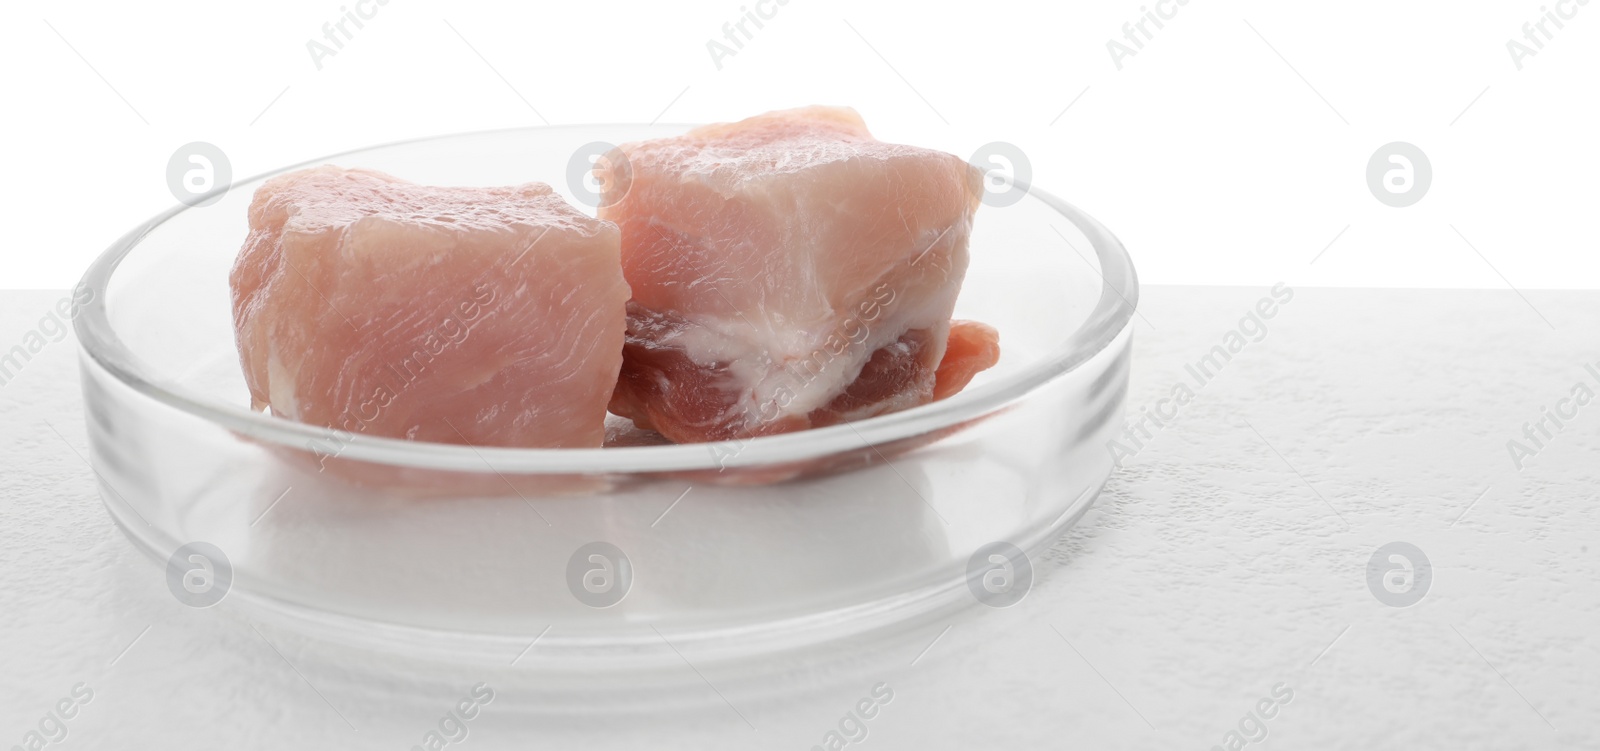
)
(487, 316)
(789, 271)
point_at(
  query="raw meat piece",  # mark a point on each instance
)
(789, 271)
(488, 316)
(972, 348)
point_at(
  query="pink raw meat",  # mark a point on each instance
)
(790, 271)
(488, 316)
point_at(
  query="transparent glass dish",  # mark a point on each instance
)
(733, 550)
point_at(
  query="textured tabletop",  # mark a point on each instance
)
(1220, 585)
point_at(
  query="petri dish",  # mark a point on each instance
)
(736, 551)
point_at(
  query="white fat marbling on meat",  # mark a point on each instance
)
(767, 358)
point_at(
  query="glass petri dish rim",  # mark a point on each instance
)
(1112, 313)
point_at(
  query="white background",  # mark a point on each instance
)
(1208, 153)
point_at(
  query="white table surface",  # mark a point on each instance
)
(1227, 557)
